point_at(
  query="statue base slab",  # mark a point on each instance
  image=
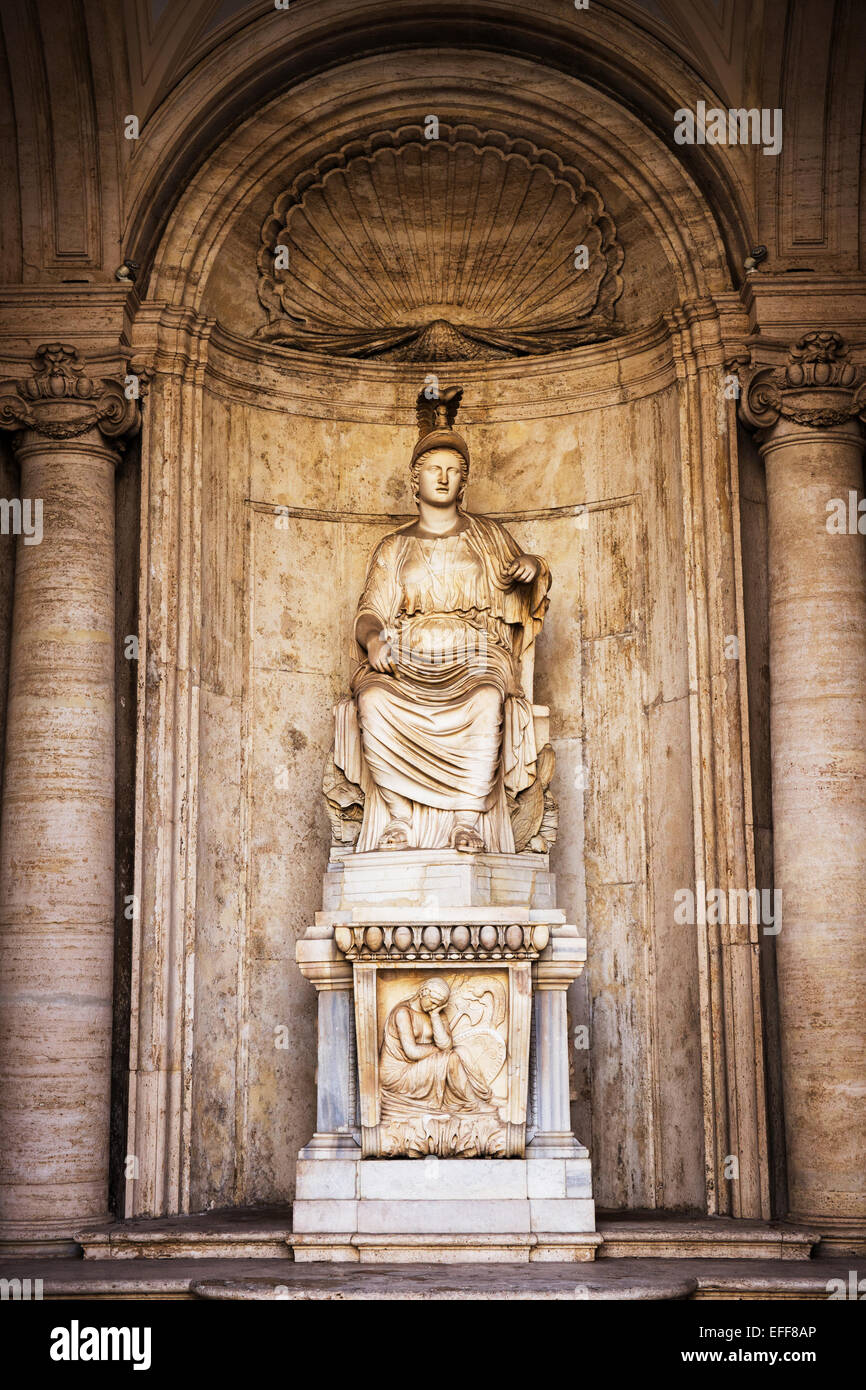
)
(438, 1210)
(433, 881)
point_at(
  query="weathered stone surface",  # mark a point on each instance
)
(268, 474)
(536, 1281)
(57, 895)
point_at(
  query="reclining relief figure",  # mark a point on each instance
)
(438, 733)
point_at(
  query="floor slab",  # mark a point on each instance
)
(645, 1279)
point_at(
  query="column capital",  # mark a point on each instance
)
(818, 386)
(320, 962)
(60, 401)
(562, 960)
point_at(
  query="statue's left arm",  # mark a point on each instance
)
(528, 576)
(523, 569)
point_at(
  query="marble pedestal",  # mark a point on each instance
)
(488, 926)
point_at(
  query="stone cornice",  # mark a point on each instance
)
(60, 401)
(818, 385)
(598, 375)
(783, 306)
(177, 341)
(97, 317)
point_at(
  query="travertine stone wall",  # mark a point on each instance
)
(245, 622)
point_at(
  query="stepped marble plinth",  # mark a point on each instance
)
(434, 881)
(434, 1209)
(443, 1128)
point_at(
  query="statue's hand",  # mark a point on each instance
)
(380, 656)
(523, 569)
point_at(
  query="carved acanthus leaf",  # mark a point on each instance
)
(534, 815)
(817, 385)
(41, 402)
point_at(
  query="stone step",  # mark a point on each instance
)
(242, 1235)
(718, 1238)
(237, 1235)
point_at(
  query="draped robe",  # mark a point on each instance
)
(452, 731)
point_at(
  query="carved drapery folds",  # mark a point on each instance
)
(468, 246)
(534, 812)
(59, 400)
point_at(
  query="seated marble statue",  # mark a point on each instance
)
(439, 730)
(420, 1070)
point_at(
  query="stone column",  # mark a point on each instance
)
(57, 829)
(812, 446)
(326, 967)
(559, 964)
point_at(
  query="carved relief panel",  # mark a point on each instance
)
(443, 1059)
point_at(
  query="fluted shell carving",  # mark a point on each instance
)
(461, 247)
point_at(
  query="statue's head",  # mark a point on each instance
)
(440, 459)
(439, 476)
(433, 992)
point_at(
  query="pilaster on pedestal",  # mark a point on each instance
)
(558, 966)
(326, 967)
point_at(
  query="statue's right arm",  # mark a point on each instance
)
(378, 600)
(441, 1031)
(368, 634)
(366, 627)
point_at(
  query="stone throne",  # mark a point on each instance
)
(440, 959)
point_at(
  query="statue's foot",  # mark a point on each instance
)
(467, 839)
(394, 836)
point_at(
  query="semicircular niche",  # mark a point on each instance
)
(472, 245)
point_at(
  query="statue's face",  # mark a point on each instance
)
(429, 998)
(440, 477)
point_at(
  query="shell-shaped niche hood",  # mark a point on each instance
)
(467, 245)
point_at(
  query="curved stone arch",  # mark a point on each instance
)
(257, 160)
(615, 65)
(288, 129)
